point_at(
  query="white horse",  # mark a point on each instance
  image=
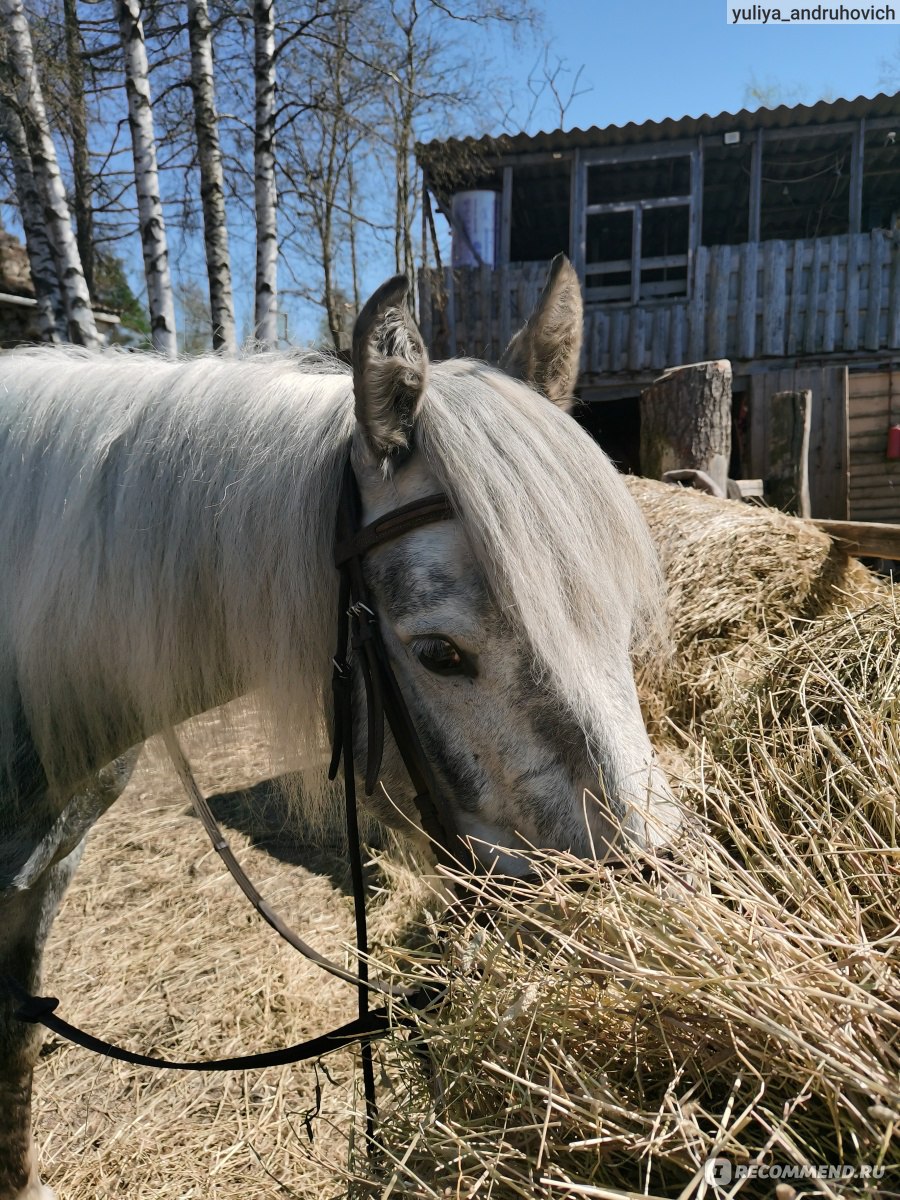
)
(166, 545)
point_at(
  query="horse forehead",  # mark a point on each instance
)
(381, 495)
(430, 571)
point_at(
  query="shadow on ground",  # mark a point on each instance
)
(262, 814)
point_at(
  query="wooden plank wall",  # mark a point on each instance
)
(474, 311)
(828, 441)
(766, 300)
(874, 405)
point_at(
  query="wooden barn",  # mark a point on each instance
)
(771, 238)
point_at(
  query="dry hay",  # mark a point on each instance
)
(736, 576)
(605, 1034)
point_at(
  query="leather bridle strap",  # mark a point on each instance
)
(359, 638)
(393, 525)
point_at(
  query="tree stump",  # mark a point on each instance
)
(787, 479)
(686, 422)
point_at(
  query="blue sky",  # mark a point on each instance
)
(649, 59)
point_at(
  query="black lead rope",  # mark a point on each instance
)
(41, 1010)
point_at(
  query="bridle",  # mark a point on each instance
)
(359, 642)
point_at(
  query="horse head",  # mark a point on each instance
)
(511, 629)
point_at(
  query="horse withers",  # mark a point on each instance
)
(166, 541)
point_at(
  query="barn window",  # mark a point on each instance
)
(726, 193)
(805, 186)
(881, 180)
(638, 227)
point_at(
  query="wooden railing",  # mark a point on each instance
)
(776, 300)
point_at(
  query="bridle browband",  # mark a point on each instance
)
(359, 642)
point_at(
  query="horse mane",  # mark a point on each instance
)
(166, 538)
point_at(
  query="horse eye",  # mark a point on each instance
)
(441, 656)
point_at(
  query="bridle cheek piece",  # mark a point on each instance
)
(359, 642)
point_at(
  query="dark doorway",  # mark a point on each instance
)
(616, 426)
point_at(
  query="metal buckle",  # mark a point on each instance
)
(355, 609)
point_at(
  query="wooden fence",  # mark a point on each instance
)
(779, 300)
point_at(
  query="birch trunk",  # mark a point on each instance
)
(51, 310)
(28, 101)
(160, 299)
(212, 179)
(81, 165)
(264, 174)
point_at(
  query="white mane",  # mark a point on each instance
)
(166, 529)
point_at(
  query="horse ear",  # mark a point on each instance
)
(390, 368)
(547, 349)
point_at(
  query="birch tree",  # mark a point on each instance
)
(44, 277)
(212, 181)
(266, 196)
(432, 78)
(78, 125)
(160, 299)
(24, 96)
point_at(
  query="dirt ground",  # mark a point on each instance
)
(156, 949)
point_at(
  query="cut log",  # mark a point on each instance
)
(745, 489)
(686, 422)
(787, 480)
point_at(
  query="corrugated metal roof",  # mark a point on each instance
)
(825, 112)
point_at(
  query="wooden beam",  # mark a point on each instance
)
(535, 158)
(505, 217)
(577, 215)
(811, 131)
(695, 214)
(450, 276)
(625, 205)
(637, 226)
(756, 154)
(857, 157)
(644, 151)
(867, 538)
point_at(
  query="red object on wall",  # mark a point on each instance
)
(893, 445)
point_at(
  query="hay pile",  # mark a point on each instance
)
(606, 1034)
(737, 576)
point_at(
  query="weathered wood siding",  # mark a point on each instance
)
(874, 405)
(828, 441)
(750, 302)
